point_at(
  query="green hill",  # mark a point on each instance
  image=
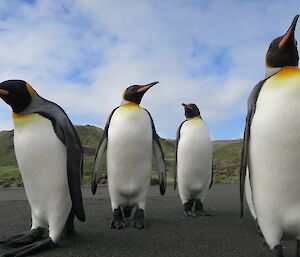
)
(226, 157)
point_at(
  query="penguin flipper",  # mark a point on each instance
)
(74, 169)
(160, 164)
(176, 149)
(67, 134)
(98, 162)
(100, 154)
(245, 150)
(159, 159)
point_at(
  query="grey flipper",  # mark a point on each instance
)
(159, 159)
(100, 154)
(245, 151)
(176, 148)
(67, 134)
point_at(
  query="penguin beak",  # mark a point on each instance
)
(290, 34)
(144, 88)
(3, 92)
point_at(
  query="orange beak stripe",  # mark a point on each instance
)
(285, 38)
(289, 33)
(146, 87)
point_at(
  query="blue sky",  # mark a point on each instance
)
(82, 54)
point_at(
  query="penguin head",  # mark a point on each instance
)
(283, 50)
(191, 110)
(17, 94)
(135, 93)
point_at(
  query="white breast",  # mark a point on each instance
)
(194, 154)
(274, 154)
(42, 161)
(129, 150)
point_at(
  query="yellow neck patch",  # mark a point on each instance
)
(131, 105)
(195, 118)
(23, 119)
(287, 71)
(130, 109)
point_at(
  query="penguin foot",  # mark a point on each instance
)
(200, 210)
(278, 251)
(189, 213)
(118, 224)
(198, 205)
(23, 238)
(117, 221)
(31, 248)
(127, 211)
(187, 208)
(6, 240)
(139, 219)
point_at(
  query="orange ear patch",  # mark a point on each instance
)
(123, 95)
(30, 89)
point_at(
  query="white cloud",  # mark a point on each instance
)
(82, 54)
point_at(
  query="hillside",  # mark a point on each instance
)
(226, 157)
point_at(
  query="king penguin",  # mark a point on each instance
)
(130, 140)
(193, 161)
(272, 145)
(49, 156)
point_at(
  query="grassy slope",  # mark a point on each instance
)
(90, 137)
(226, 157)
(227, 162)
